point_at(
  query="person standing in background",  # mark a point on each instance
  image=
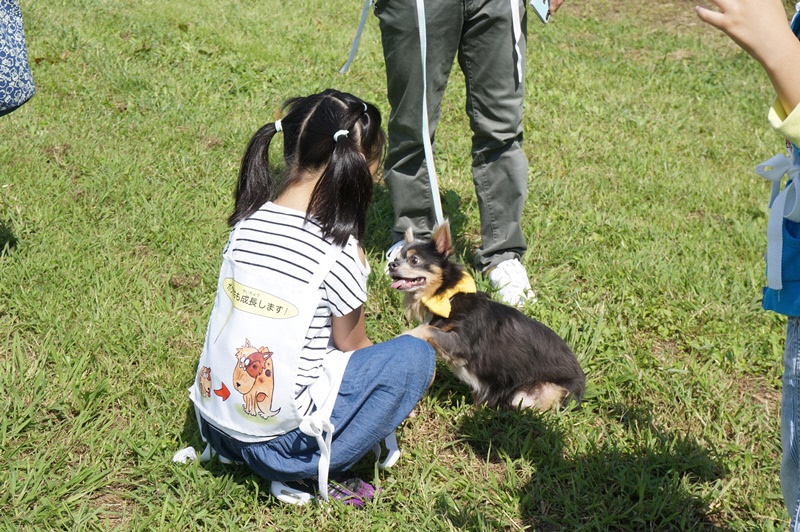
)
(488, 38)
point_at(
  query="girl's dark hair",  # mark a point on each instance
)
(340, 199)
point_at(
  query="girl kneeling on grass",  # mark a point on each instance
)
(288, 381)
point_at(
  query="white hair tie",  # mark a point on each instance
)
(278, 126)
(339, 134)
(365, 106)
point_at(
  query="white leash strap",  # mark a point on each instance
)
(357, 40)
(783, 204)
(426, 136)
(515, 20)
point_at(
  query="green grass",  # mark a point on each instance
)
(646, 227)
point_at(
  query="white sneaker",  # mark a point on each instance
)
(510, 280)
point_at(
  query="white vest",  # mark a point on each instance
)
(245, 381)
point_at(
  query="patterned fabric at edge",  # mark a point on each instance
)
(16, 80)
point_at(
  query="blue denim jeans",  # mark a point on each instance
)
(381, 386)
(790, 416)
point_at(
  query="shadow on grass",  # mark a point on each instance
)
(238, 473)
(7, 239)
(639, 481)
(241, 473)
(190, 435)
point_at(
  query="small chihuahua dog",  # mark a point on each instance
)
(505, 357)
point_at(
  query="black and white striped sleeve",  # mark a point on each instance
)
(346, 284)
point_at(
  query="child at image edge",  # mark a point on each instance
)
(292, 288)
(760, 28)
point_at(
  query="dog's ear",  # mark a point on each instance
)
(442, 239)
(409, 235)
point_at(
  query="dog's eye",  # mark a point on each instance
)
(413, 260)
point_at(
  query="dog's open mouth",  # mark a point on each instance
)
(403, 284)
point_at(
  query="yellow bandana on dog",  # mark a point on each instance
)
(440, 304)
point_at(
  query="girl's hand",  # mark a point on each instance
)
(758, 26)
(761, 28)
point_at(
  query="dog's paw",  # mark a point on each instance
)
(421, 331)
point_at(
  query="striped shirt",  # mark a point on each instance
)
(278, 239)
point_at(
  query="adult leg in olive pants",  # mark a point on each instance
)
(480, 33)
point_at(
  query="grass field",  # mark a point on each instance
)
(646, 226)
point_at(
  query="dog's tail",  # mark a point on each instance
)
(576, 388)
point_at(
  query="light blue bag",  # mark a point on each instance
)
(16, 81)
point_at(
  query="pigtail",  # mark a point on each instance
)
(256, 184)
(373, 139)
(343, 193)
(334, 132)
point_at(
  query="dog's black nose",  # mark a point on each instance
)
(392, 265)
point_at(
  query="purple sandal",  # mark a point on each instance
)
(343, 487)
